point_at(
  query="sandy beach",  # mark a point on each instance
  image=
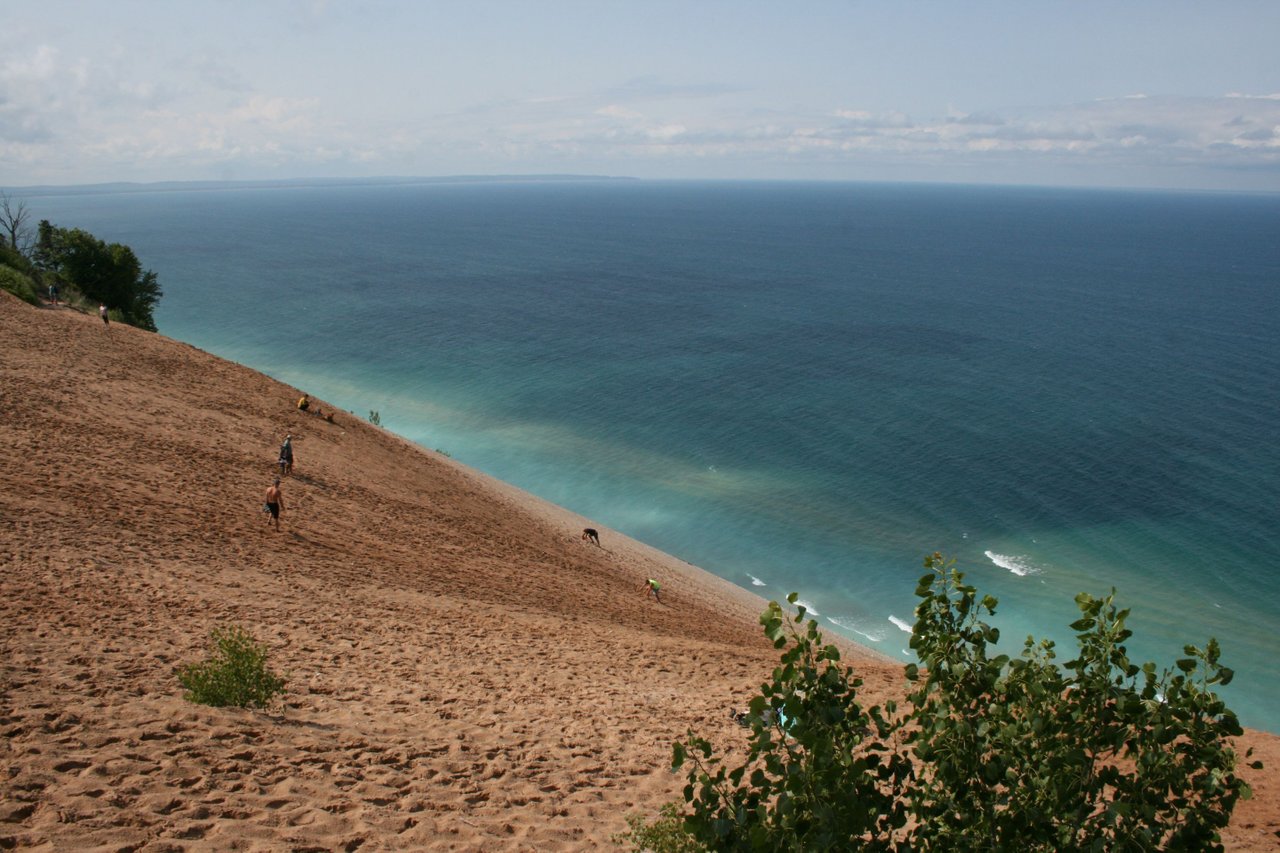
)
(463, 671)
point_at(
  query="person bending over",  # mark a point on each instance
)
(652, 587)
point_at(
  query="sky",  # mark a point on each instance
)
(1138, 93)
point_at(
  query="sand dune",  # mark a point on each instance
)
(463, 672)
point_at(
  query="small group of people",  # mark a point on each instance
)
(273, 503)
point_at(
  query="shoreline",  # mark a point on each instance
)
(463, 672)
(737, 603)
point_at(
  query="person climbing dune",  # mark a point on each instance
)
(286, 456)
(274, 503)
(653, 587)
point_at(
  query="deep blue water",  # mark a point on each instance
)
(800, 386)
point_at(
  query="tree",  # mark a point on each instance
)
(104, 272)
(1099, 753)
(13, 221)
(809, 740)
(993, 753)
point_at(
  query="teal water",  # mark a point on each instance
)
(799, 387)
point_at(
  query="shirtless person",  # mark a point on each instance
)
(590, 534)
(275, 502)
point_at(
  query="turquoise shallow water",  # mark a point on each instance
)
(799, 387)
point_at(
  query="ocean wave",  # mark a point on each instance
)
(902, 626)
(808, 608)
(755, 581)
(856, 626)
(1017, 565)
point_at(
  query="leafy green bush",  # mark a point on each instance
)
(1099, 753)
(18, 284)
(821, 770)
(665, 835)
(375, 418)
(236, 675)
(993, 753)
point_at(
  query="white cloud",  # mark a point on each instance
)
(71, 119)
(616, 111)
(40, 64)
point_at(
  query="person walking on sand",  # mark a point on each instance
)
(275, 502)
(102, 312)
(286, 456)
(652, 586)
(53, 293)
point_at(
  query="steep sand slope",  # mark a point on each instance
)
(464, 672)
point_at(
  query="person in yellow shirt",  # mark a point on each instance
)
(652, 586)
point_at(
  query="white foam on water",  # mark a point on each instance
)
(856, 626)
(755, 581)
(808, 608)
(902, 626)
(1017, 565)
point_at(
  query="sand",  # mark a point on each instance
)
(464, 672)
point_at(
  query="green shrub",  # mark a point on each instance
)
(821, 770)
(375, 418)
(236, 675)
(18, 284)
(665, 835)
(991, 753)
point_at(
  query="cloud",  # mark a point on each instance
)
(39, 64)
(59, 114)
(1129, 131)
(616, 111)
(70, 118)
(988, 119)
(651, 87)
(1145, 131)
